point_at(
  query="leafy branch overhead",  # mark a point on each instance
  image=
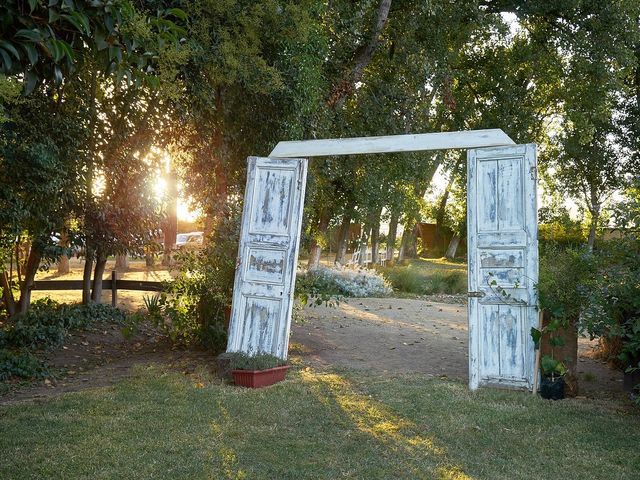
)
(48, 40)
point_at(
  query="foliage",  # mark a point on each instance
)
(615, 310)
(21, 364)
(47, 323)
(343, 281)
(261, 361)
(416, 280)
(192, 307)
(99, 31)
(45, 327)
(565, 282)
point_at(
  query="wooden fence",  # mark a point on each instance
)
(112, 284)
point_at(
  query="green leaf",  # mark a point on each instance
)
(536, 335)
(32, 5)
(57, 74)
(557, 341)
(548, 364)
(34, 35)
(178, 13)
(53, 15)
(32, 52)
(6, 61)
(31, 81)
(56, 50)
(68, 51)
(79, 21)
(10, 48)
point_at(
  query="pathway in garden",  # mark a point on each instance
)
(406, 335)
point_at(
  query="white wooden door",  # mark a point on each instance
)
(266, 265)
(502, 246)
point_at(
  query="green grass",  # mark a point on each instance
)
(315, 426)
(428, 276)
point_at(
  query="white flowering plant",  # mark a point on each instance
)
(343, 282)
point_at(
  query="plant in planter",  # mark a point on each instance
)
(257, 371)
(552, 385)
(564, 290)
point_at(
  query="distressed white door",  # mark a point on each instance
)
(266, 265)
(502, 247)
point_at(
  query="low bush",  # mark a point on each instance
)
(47, 322)
(410, 279)
(44, 327)
(340, 281)
(20, 364)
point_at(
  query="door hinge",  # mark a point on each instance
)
(476, 294)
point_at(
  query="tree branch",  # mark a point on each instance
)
(363, 56)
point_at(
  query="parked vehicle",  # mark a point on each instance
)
(189, 241)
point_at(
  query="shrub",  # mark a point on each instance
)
(46, 324)
(45, 327)
(261, 361)
(340, 281)
(565, 282)
(192, 307)
(615, 309)
(410, 279)
(20, 364)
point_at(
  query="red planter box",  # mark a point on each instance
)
(259, 378)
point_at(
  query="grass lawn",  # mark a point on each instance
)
(315, 425)
(425, 276)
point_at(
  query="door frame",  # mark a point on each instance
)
(470, 139)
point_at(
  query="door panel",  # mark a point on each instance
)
(503, 265)
(266, 269)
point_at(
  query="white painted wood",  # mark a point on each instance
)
(502, 246)
(267, 256)
(392, 143)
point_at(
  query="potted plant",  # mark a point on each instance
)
(257, 371)
(552, 383)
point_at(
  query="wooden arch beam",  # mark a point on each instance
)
(494, 137)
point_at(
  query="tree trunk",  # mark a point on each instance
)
(391, 238)
(63, 265)
(595, 218)
(343, 238)
(122, 262)
(407, 239)
(7, 294)
(101, 263)
(31, 268)
(63, 261)
(315, 248)
(440, 214)
(170, 229)
(375, 238)
(86, 276)
(364, 244)
(453, 247)
(362, 56)
(149, 260)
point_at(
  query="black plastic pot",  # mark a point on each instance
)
(631, 381)
(552, 388)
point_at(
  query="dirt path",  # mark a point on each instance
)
(405, 335)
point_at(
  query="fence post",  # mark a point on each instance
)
(114, 289)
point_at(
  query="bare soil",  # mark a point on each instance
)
(407, 335)
(101, 356)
